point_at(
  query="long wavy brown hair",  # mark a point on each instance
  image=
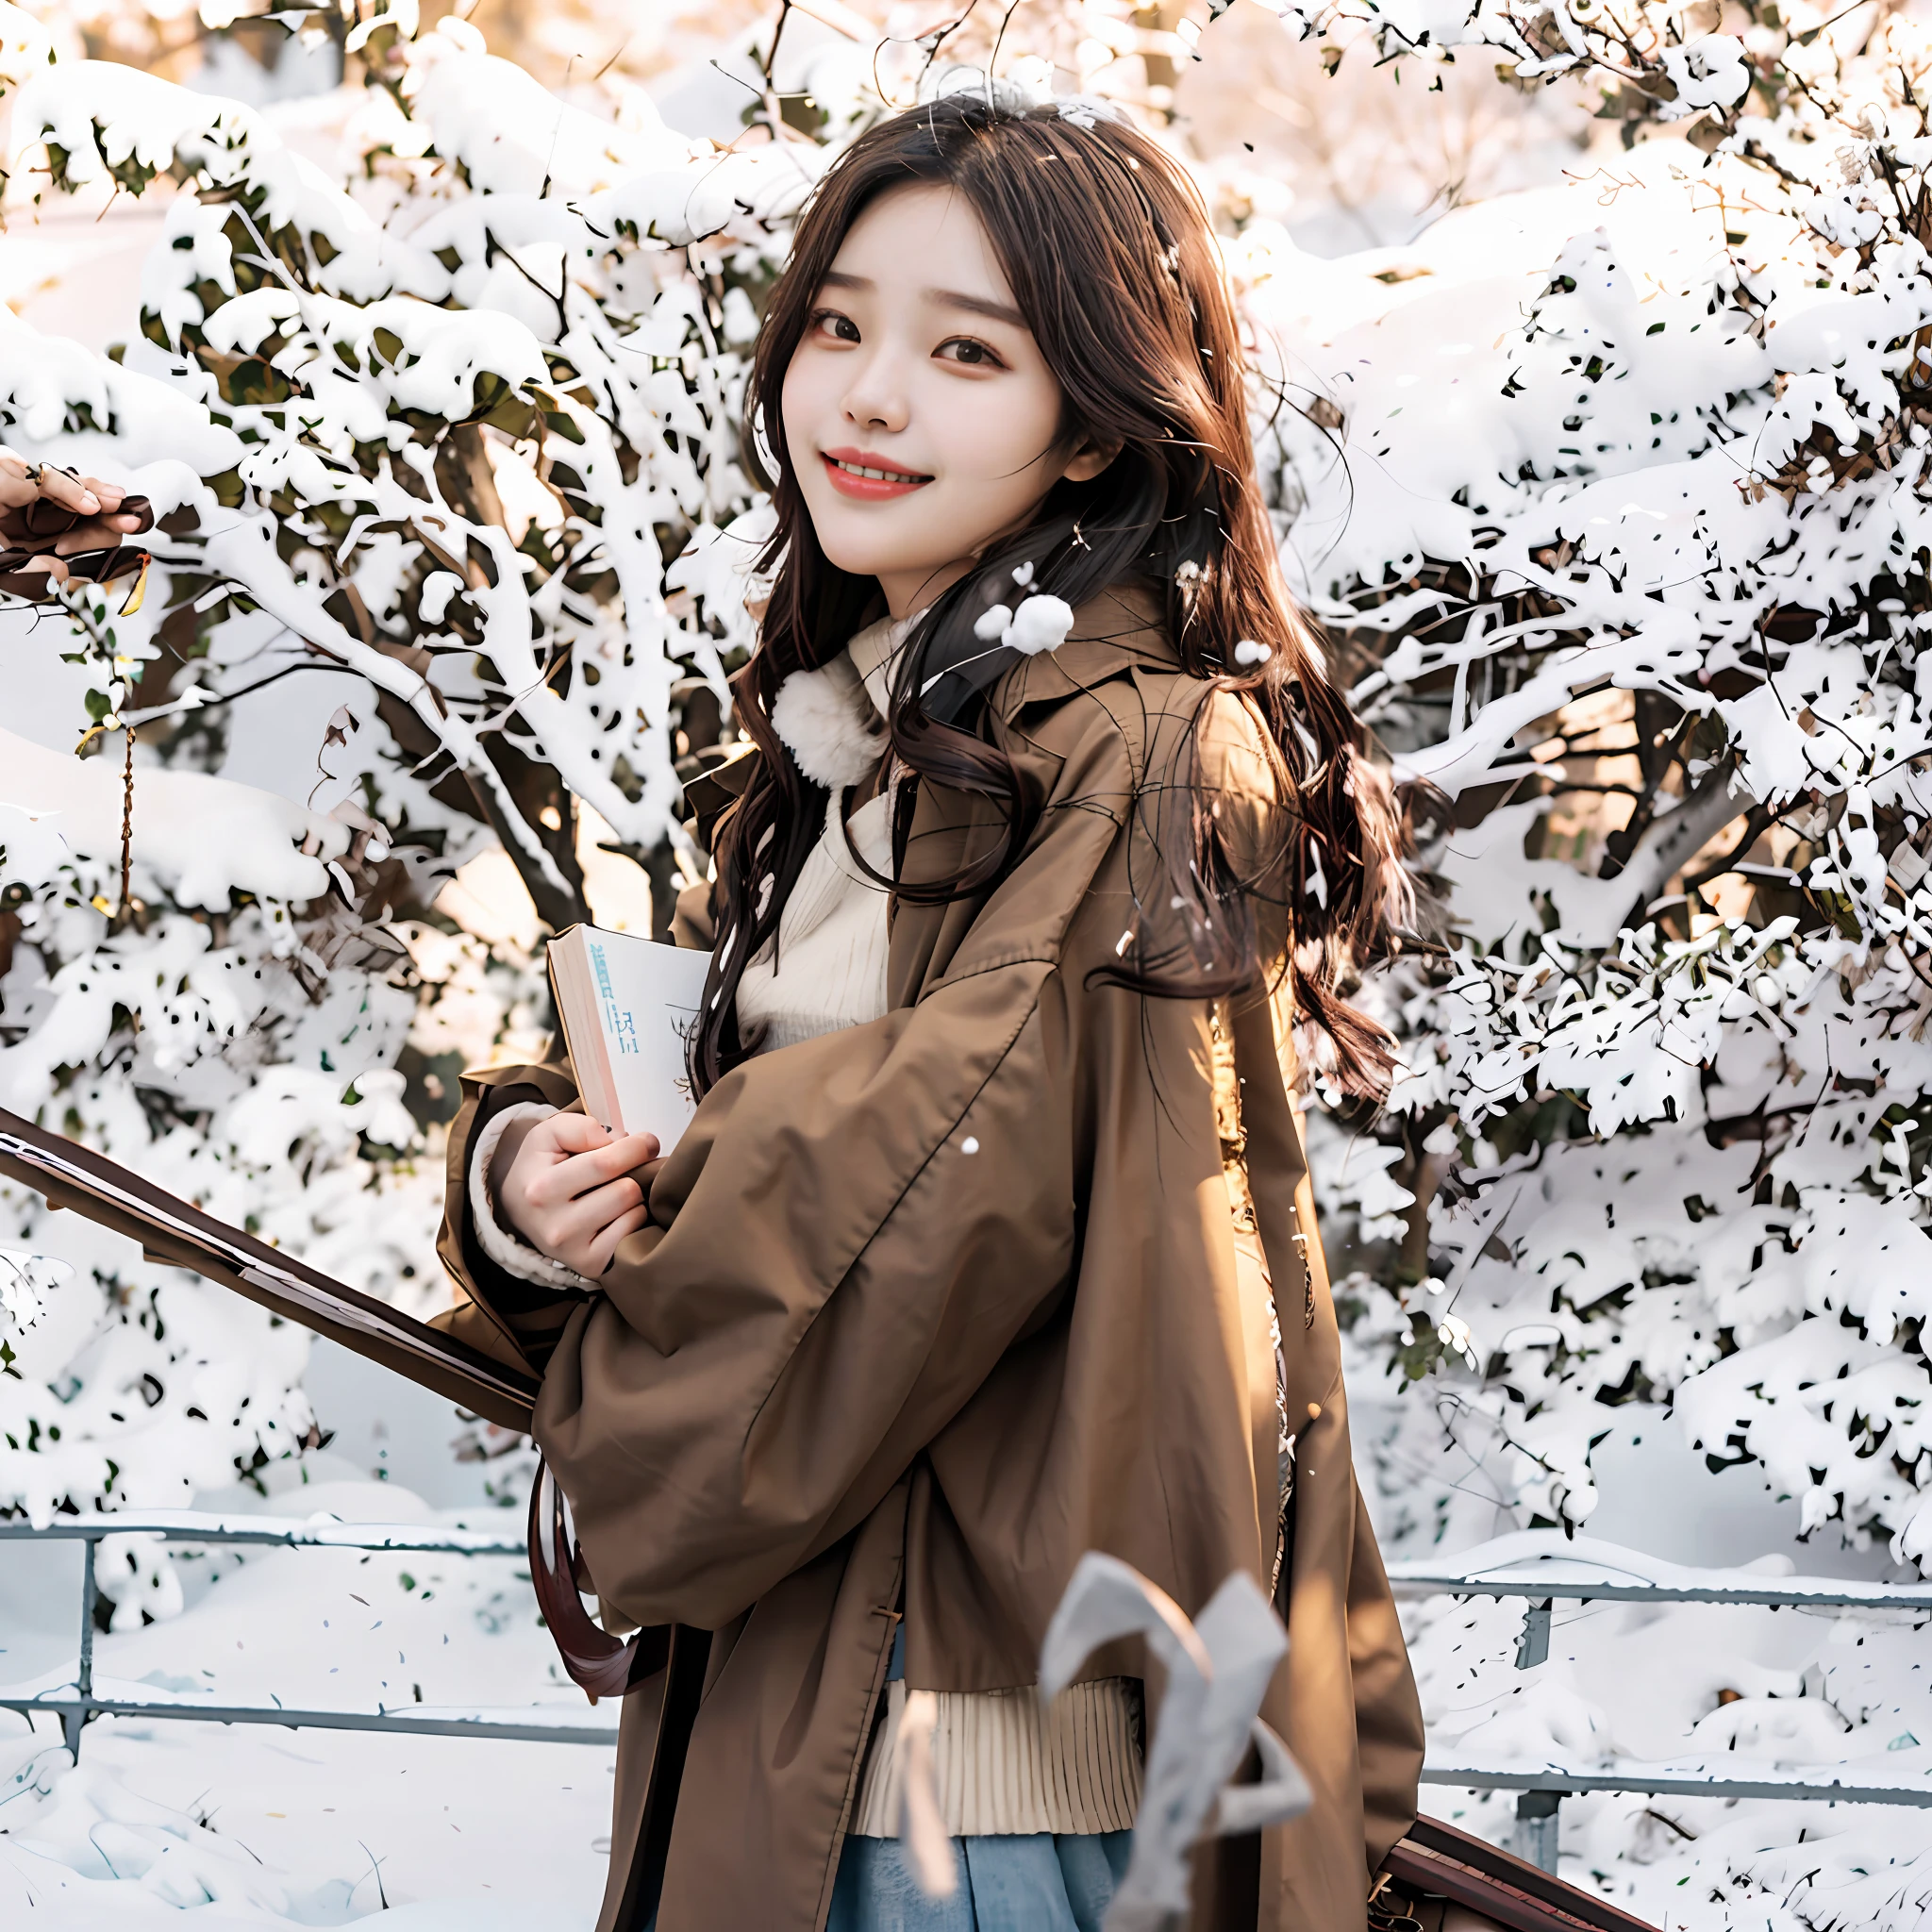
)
(1112, 260)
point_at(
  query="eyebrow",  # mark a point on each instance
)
(947, 298)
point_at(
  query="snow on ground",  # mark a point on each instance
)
(1751, 1866)
(1814, 1689)
(260, 1828)
(255, 1826)
(1640, 1681)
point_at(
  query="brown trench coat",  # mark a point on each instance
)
(930, 1306)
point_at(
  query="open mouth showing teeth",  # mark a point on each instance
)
(878, 475)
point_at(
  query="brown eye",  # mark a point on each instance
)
(963, 349)
(842, 328)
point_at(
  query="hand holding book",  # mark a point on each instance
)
(574, 1189)
(575, 1185)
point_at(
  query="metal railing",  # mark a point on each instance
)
(75, 1702)
(1544, 1568)
(1541, 1567)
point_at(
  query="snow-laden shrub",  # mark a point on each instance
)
(1615, 500)
(461, 434)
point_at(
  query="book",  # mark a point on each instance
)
(627, 1006)
(178, 1234)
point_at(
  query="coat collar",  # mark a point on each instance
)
(1122, 629)
(826, 718)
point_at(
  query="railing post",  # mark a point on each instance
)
(1537, 1825)
(1533, 1646)
(73, 1721)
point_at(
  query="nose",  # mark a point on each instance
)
(876, 398)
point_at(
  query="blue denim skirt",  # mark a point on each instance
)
(1038, 1884)
(1041, 1883)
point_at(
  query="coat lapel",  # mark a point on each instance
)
(1118, 631)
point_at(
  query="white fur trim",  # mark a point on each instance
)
(818, 715)
(503, 1245)
(1040, 623)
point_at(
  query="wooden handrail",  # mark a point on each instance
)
(178, 1235)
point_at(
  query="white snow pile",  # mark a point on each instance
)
(201, 838)
(1735, 1692)
(258, 1826)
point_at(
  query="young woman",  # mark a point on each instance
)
(989, 1243)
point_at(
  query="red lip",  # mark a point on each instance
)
(898, 481)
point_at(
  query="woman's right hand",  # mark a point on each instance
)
(574, 1189)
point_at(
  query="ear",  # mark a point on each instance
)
(1089, 460)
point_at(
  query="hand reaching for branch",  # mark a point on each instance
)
(574, 1189)
(48, 516)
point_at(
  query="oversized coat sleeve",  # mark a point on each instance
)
(846, 1240)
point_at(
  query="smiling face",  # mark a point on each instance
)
(920, 416)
